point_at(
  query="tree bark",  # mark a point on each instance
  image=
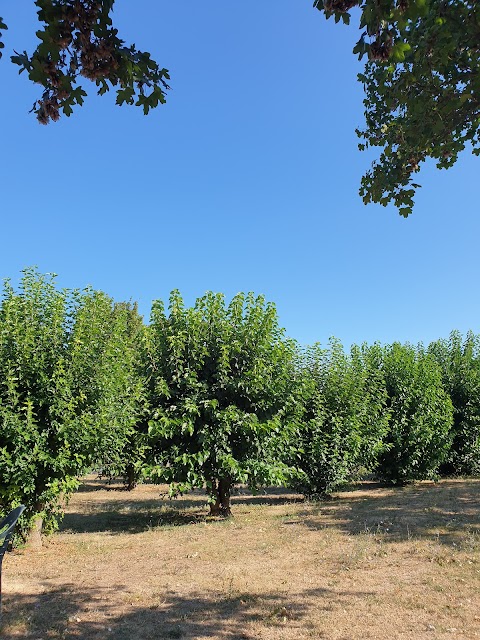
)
(222, 492)
(130, 478)
(34, 540)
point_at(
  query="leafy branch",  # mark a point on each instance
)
(422, 86)
(77, 41)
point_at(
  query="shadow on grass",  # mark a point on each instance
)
(266, 495)
(95, 614)
(271, 496)
(135, 520)
(135, 514)
(448, 511)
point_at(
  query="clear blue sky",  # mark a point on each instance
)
(247, 180)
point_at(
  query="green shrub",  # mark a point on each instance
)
(345, 416)
(419, 435)
(459, 360)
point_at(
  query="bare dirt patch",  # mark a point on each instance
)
(371, 563)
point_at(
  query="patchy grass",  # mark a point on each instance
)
(375, 562)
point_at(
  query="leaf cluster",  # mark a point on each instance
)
(78, 40)
(459, 361)
(422, 87)
(345, 416)
(419, 436)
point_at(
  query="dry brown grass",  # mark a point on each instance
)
(371, 563)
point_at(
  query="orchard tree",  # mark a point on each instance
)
(345, 416)
(69, 395)
(422, 86)
(131, 458)
(222, 395)
(78, 40)
(107, 381)
(459, 360)
(419, 434)
(41, 452)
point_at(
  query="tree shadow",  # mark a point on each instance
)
(135, 520)
(132, 513)
(91, 485)
(448, 511)
(270, 496)
(69, 613)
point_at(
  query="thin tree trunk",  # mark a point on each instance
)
(130, 478)
(34, 540)
(222, 492)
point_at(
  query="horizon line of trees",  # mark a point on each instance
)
(214, 395)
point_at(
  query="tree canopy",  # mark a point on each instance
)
(422, 86)
(222, 395)
(421, 78)
(78, 40)
(69, 393)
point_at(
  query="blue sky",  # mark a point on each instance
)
(247, 180)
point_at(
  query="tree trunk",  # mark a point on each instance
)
(34, 540)
(221, 491)
(130, 478)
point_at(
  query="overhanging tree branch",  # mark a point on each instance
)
(78, 40)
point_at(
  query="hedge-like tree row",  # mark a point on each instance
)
(214, 395)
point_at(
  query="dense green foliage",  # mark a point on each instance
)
(68, 391)
(41, 442)
(422, 86)
(345, 417)
(214, 395)
(106, 378)
(419, 437)
(221, 382)
(118, 386)
(459, 360)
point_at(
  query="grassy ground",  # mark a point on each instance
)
(371, 563)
